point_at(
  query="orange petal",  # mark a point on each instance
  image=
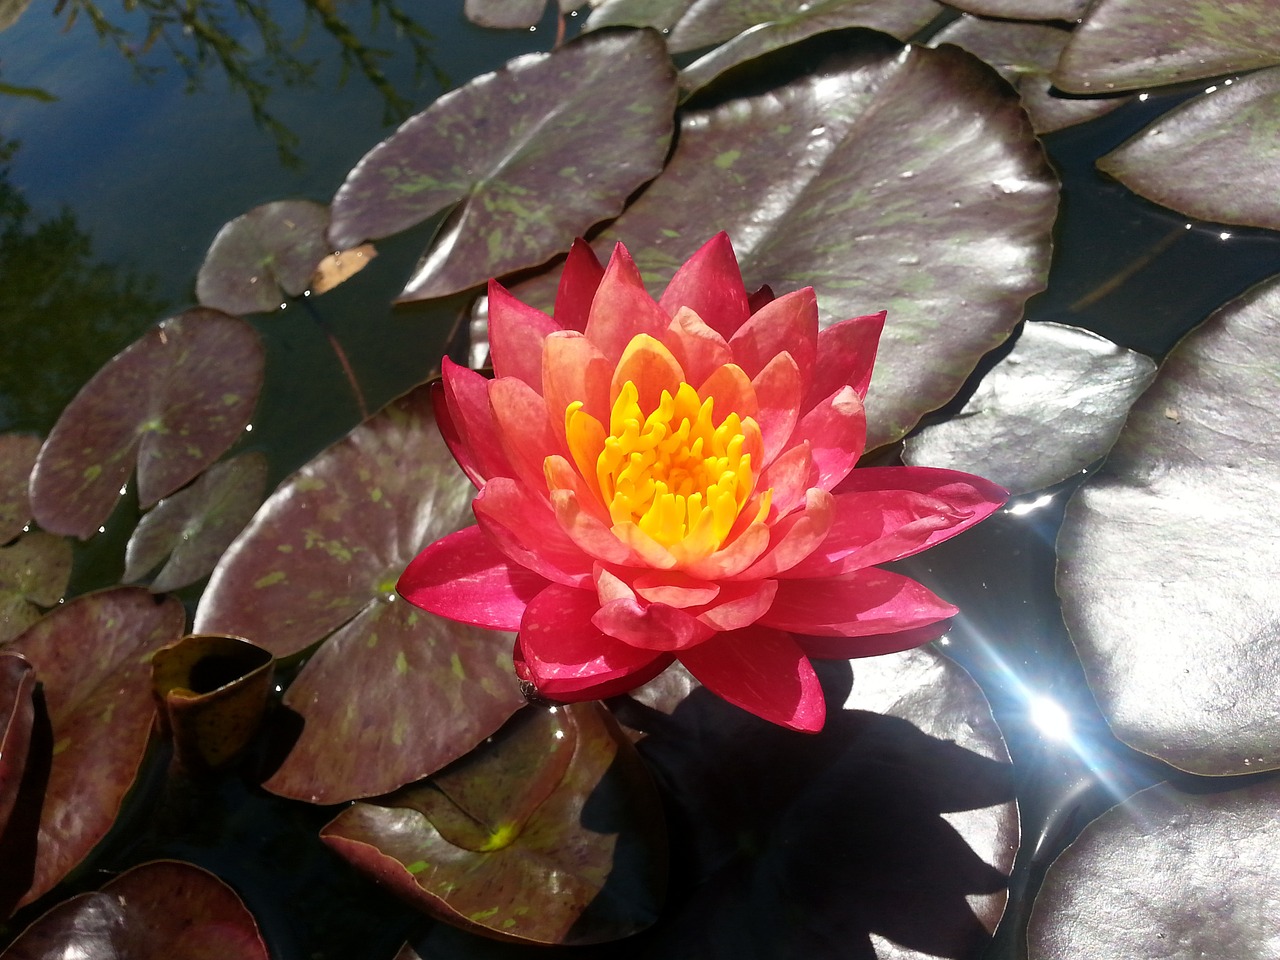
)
(732, 392)
(573, 369)
(674, 589)
(651, 367)
(779, 391)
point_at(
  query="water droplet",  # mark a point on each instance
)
(533, 29)
(248, 428)
(817, 131)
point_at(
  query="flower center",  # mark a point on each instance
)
(674, 472)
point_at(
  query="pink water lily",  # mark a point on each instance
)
(674, 480)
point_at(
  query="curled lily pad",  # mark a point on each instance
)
(193, 527)
(1214, 157)
(91, 655)
(17, 457)
(512, 148)
(1050, 408)
(34, 572)
(157, 910)
(1166, 571)
(17, 717)
(171, 403)
(264, 255)
(395, 693)
(551, 833)
(1166, 874)
(1068, 10)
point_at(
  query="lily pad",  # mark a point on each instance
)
(1050, 408)
(262, 256)
(17, 717)
(157, 910)
(193, 527)
(1026, 54)
(512, 14)
(1067, 10)
(171, 403)
(1167, 874)
(1215, 157)
(552, 833)
(534, 154)
(17, 457)
(91, 656)
(396, 693)
(34, 572)
(1132, 44)
(1167, 569)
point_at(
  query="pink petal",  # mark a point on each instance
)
(795, 536)
(561, 475)
(762, 671)
(778, 392)
(578, 284)
(789, 476)
(710, 284)
(573, 369)
(594, 537)
(698, 348)
(674, 588)
(761, 298)
(740, 552)
(789, 323)
(516, 332)
(622, 308)
(452, 438)
(848, 351)
(467, 396)
(859, 604)
(739, 605)
(648, 364)
(650, 626)
(836, 429)
(464, 577)
(524, 528)
(851, 648)
(523, 429)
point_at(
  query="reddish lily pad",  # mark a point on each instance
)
(34, 572)
(1050, 408)
(1167, 874)
(264, 255)
(1214, 158)
(552, 833)
(193, 527)
(155, 911)
(512, 148)
(1068, 10)
(17, 718)
(91, 655)
(1132, 44)
(171, 403)
(17, 457)
(1167, 568)
(396, 693)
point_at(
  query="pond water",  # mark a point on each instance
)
(118, 175)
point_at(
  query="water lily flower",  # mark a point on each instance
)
(674, 480)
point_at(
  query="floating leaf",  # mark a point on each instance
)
(193, 527)
(172, 402)
(1166, 874)
(263, 255)
(17, 457)
(340, 267)
(17, 717)
(159, 909)
(535, 154)
(1131, 44)
(512, 14)
(1050, 408)
(1214, 158)
(1068, 10)
(1167, 568)
(91, 656)
(551, 834)
(34, 572)
(324, 552)
(659, 14)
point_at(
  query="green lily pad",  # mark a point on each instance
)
(534, 155)
(17, 717)
(1050, 408)
(262, 256)
(1026, 54)
(1066, 10)
(512, 14)
(1132, 44)
(17, 457)
(192, 528)
(1214, 158)
(160, 909)
(1166, 574)
(34, 573)
(396, 693)
(552, 833)
(91, 656)
(1166, 874)
(171, 403)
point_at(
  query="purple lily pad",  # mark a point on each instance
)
(1166, 570)
(1166, 874)
(17, 718)
(658, 14)
(324, 552)
(34, 572)
(512, 14)
(1068, 10)
(1050, 408)
(171, 403)
(511, 148)
(1214, 157)
(552, 833)
(1132, 44)
(263, 255)
(192, 528)
(91, 656)
(160, 909)
(17, 457)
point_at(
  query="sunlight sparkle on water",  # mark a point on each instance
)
(1049, 717)
(1021, 509)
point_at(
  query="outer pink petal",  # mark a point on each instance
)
(851, 648)
(622, 308)
(778, 392)
(578, 283)
(467, 396)
(859, 604)
(848, 351)
(650, 626)
(710, 284)
(763, 671)
(698, 348)
(836, 429)
(464, 577)
(794, 537)
(789, 323)
(524, 429)
(524, 528)
(452, 438)
(739, 605)
(516, 332)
